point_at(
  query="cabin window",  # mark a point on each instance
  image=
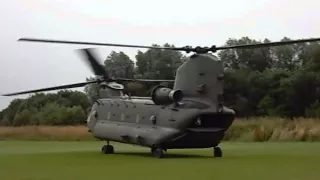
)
(137, 118)
(95, 114)
(108, 115)
(198, 122)
(153, 119)
(92, 114)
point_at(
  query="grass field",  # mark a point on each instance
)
(46, 160)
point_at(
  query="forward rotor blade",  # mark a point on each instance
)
(261, 45)
(96, 67)
(53, 88)
(144, 80)
(91, 43)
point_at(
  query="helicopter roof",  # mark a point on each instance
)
(115, 86)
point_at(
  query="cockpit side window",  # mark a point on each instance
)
(192, 104)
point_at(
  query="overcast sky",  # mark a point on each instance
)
(25, 66)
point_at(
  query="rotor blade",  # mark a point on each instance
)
(144, 80)
(92, 43)
(187, 49)
(90, 59)
(261, 45)
(53, 88)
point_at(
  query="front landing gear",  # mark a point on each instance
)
(217, 152)
(157, 152)
(107, 149)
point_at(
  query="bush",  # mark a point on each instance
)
(274, 129)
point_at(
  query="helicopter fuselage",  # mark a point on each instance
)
(188, 124)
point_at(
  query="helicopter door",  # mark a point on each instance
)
(173, 114)
(163, 117)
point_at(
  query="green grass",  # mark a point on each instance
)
(32, 160)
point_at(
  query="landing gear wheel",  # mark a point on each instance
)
(157, 152)
(217, 152)
(107, 149)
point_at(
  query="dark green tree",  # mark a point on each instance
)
(119, 65)
(158, 64)
(255, 59)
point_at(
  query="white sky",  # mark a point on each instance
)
(25, 66)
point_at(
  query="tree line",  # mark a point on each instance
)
(281, 81)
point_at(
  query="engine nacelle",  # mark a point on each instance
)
(162, 95)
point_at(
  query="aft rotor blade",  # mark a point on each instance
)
(144, 80)
(92, 43)
(52, 88)
(92, 61)
(261, 45)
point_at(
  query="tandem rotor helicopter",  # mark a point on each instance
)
(191, 115)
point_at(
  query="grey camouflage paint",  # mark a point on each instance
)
(140, 121)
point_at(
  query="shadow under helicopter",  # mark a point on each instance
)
(168, 155)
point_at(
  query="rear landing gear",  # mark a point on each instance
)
(107, 149)
(217, 152)
(157, 152)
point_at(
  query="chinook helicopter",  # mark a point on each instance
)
(191, 115)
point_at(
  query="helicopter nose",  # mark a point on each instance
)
(91, 120)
